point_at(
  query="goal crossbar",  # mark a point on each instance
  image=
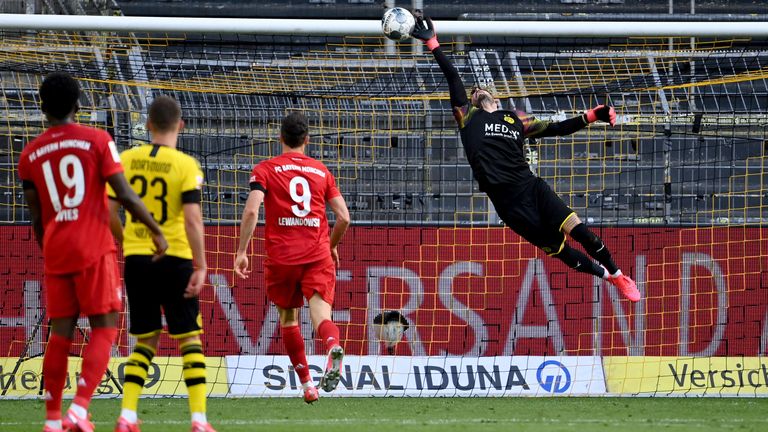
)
(373, 27)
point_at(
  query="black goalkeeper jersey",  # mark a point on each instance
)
(494, 144)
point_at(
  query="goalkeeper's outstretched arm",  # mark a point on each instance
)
(424, 30)
(535, 128)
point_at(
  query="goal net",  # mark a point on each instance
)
(677, 190)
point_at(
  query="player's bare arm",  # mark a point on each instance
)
(193, 225)
(339, 208)
(115, 224)
(128, 198)
(35, 213)
(247, 225)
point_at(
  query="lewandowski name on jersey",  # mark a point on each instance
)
(294, 221)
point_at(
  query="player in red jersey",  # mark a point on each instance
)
(301, 258)
(64, 172)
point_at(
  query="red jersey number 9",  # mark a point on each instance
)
(304, 198)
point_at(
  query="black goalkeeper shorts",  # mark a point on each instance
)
(533, 211)
(155, 288)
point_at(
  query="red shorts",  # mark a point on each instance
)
(95, 290)
(286, 284)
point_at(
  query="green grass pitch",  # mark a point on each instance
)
(426, 414)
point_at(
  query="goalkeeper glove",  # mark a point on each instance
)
(605, 113)
(424, 30)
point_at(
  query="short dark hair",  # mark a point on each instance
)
(59, 94)
(294, 129)
(164, 113)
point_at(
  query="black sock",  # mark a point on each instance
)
(578, 261)
(594, 247)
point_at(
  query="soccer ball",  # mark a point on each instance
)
(391, 327)
(392, 333)
(397, 24)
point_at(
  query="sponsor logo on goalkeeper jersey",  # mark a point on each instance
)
(692, 375)
(502, 130)
(424, 376)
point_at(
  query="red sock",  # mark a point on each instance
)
(294, 344)
(55, 364)
(95, 362)
(329, 334)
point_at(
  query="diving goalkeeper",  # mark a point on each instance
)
(493, 141)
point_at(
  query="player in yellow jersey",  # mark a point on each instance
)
(169, 183)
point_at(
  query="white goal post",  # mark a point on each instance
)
(373, 27)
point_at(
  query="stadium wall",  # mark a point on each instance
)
(478, 292)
